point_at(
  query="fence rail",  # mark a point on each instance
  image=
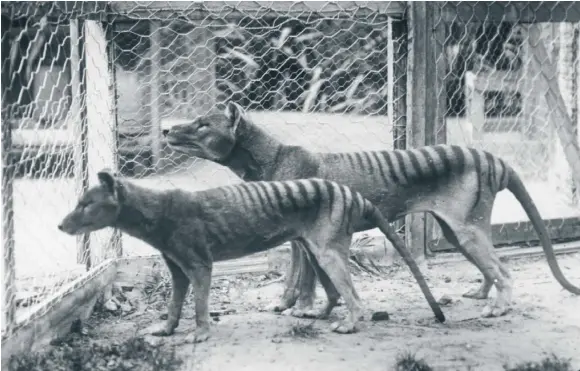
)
(87, 85)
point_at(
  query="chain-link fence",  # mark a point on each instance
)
(500, 83)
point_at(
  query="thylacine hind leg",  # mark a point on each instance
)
(332, 256)
(299, 284)
(480, 292)
(179, 286)
(332, 293)
(472, 236)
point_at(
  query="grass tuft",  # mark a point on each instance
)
(550, 363)
(302, 331)
(409, 362)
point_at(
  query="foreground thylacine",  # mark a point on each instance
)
(194, 229)
(457, 185)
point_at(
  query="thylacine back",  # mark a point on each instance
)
(457, 185)
(192, 229)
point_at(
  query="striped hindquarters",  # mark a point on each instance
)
(413, 166)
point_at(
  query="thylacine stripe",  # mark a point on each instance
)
(400, 164)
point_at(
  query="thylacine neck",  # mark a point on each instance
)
(255, 153)
(141, 211)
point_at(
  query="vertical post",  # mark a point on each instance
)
(399, 119)
(576, 97)
(100, 121)
(116, 238)
(155, 134)
(79, 126)
(8, 274)
(390, 73)
(416, 110)
(8, 292)
(435, 94)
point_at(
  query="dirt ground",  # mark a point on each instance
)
(545, 319)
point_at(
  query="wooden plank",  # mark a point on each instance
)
(78, 112)
(417, 91)
(511, 11)
(100, 124)
(399, 119)
(522, 233)
(509, 253)
(232, 10)
(136, 270)
(8, 263)
(435, 97)
(55, 316)
(155, 94)
(116, 238)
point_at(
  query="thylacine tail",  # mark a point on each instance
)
(374, 216)
(515, 185)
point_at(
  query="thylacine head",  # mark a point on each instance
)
(211, 137)
(96, 209)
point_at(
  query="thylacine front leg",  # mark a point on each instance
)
(306, 282)
(200, 276)
(179, 286)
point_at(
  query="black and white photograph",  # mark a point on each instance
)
(290, 185)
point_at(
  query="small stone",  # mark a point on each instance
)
(152, 340)
(110, 305)
(447, 279)
(372, 349)
(276, 340)
(445, 300)
(380, 316)
(468, 346)
(126, 307)
(321, 348)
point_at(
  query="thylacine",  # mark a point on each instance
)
(457, 185)
(194, 229)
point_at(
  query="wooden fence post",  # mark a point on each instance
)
(8, 264)
(100, 122)
(155, 95)
(416, 109)
(78, 120)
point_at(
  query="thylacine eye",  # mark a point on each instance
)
(202, 126)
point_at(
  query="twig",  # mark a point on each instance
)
(279, 279)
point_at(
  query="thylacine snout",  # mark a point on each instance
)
(96, 209)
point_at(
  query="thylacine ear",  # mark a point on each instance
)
(235, 113)
(107, 178)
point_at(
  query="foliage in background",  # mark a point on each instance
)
(327, 65)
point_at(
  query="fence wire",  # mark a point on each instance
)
(330, 81)
(496, 97)
(44, 108)
(327, 83)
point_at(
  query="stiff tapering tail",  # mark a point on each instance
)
(375, 216)
(518, 189)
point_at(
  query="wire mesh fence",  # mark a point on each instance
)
(326, 82)
(87, 85)
(55, 136)
(79, 93)
(498, 81)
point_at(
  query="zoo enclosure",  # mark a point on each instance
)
(88, 85)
